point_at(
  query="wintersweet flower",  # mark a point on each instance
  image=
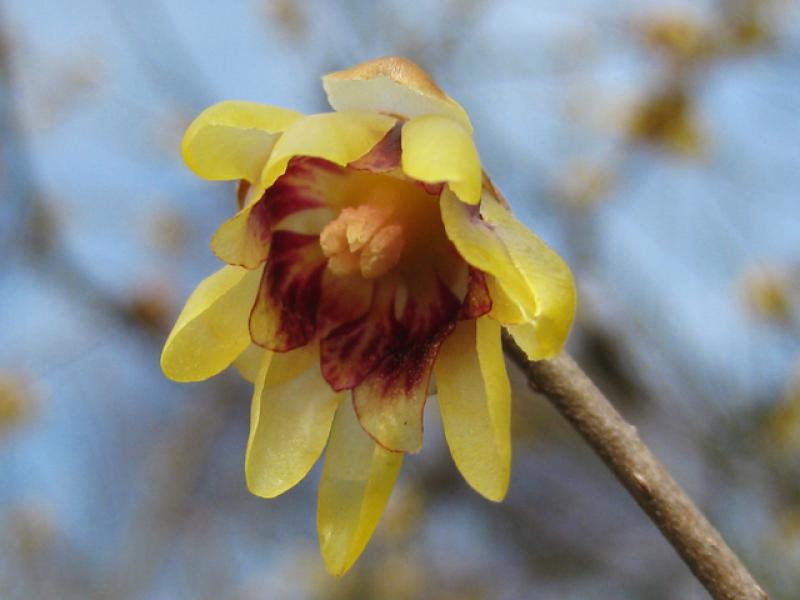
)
(370, 251)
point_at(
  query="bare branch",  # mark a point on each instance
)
(579, 401)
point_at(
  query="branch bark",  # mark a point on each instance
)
(701, 546)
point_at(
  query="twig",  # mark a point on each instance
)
(579, 401)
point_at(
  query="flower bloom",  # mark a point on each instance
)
(369, 252)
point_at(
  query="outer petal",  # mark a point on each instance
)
(233, 139)
(289, 425)
(248, 363)
(546, 275)
(212, 329)
(243, 239)
(481, 247)
(532, 288)
(437, 149)
(475, 404)
(392, 85)
(504, 309)
(340, 138)
(357, 480)
(285, 365)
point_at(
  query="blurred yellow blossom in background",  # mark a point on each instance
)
(784, 420)
(677, 35)
(770, 292)
(17, 402)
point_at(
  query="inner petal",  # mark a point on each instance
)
(390, 399)
(284, 316)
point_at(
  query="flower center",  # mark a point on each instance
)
(364, 239)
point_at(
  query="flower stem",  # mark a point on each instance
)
(617, 442)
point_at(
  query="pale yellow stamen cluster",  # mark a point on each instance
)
(363, 239)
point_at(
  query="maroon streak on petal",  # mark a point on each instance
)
(477, 302)
(260, 222)
(345, 298)
(387, 355)
(430, 307)
(296, 190)
(284, 316)
(353, 349)
(384, 156)
(242, 187)
(244, 239)
(434, 189)
(389, 402)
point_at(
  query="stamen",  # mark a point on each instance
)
(363, 239)
(383, 251)
(365, 222)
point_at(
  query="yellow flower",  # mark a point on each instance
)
(370, 251)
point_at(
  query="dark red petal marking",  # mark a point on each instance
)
(430, 307)
(352, 350)
(294, 191)
(390, 400)
(304, 186)
(477, 302)
(241, 192)
(384, 156)
(301, 187)
(434, 189)
(285, 312)
(387, 355)
(345, 298)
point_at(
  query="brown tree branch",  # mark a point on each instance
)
(579, 401)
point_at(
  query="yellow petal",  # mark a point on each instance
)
(480, 246)
(338, 137)
(242, 240)
(547, 276)
(212, 330)
(392, 85)
(436, 149)
(285, 365)
(357, 480)
(532, 289)
(289, 425)
(288, 365)
(475, 403)
(504, 309)
(233, 139)
(248, 363)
